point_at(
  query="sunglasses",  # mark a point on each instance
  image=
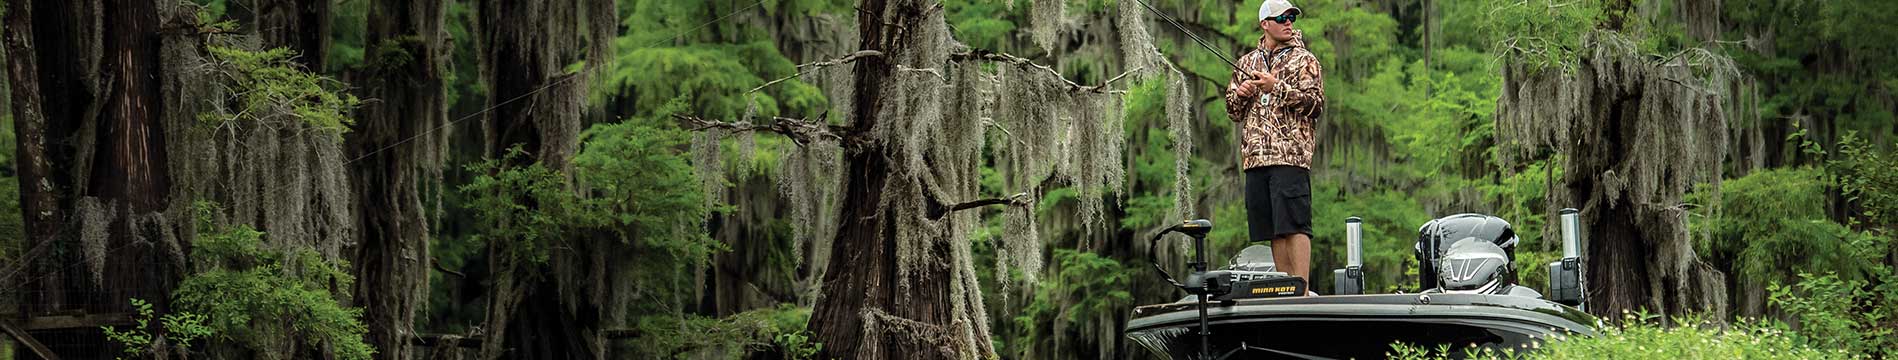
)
(1285, 18)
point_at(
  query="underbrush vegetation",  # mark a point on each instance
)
(1643, 336)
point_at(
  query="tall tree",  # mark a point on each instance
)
(145, 111)
(542, 310)
(1636, 134)
(90, 71)
(39, 205)
(301, 25)
(900, 280)
(399, 146)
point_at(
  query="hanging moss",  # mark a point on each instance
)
(268, 86)
(1047, 17)
(1636, 133)
(1180, 128)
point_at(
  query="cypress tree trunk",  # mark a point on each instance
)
(551, 310)
(399, 144)
(85, 77)
(301, 25)
(39, 207)
(869, 308)
(1637, 134)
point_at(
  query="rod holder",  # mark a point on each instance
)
(1354, 241)
(1350, 279)
(1565, 275)
(1571, 233)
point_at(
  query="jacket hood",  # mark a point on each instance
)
(1298, 40)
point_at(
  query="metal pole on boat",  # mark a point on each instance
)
(1350, 279)
(1353, 240)
(1566, 280)
(1200, 266)
(1571, 233)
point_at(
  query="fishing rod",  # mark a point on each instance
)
(1195, 37)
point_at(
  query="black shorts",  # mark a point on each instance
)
(1278, 202)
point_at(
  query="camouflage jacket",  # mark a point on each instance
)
(1278, 123)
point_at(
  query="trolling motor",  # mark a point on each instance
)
(1200, 284)
(1220, 284)
(1565, 276)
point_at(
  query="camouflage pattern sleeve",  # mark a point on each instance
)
(1236, 106)
(1303, 93)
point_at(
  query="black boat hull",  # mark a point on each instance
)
(1354, 326)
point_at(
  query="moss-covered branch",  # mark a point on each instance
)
(1001, 57)
(802, 131)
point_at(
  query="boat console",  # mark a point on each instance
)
(1469, 298)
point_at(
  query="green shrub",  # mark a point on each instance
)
(265, 299)
(270, 86)
(1643, 337)
(1773, 220)
(780, 329)
(135, 342)
(1834, 312)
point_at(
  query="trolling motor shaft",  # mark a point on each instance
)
(1197, 283)
(1220, 285)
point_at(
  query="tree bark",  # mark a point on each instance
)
(39, 206)
(398, 142)
(86, 92)
(537, 106)
(304, 26)
(865, 313)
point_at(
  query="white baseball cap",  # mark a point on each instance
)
(1273, 8)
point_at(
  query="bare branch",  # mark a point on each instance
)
(930, 71)
(438, 267)
(938, 212)
(1011, 135)
(821, 64)
(989, 55)
(802, 131)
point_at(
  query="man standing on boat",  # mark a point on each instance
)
(1277, 95)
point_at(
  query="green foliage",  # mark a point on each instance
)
(1775, 219)
(1855, 32)
(713, 79)
(349, 34)
(798, 345)
(522, 206)
(211, 15)
(1390, 229)
(135, 342)
(12, 220)
(268, 86)
(1838, 312)
(1085, 288)
(1869, 178)
(780, 329)
(265, 298)
(1841, 314)
(631, 185)
(1643, 337)
(671, 57)
(1543, 33)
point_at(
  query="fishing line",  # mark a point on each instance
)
(1195, 37)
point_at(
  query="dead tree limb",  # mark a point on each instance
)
(821, 64)
(938, 211)
(802, 131)
(1000, 57)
